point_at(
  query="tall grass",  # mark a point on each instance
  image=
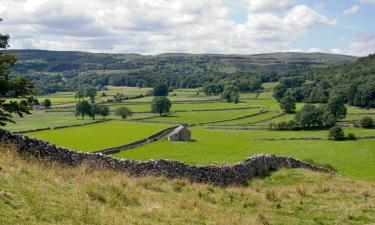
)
(43, 192)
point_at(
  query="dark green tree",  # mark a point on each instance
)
(288, 104)
(94, 110)
(90, 92)
(160, 90)
(231, 94)
(279, 91)
(336, 133)
(119, 97)
(47, 103)
(336, 106)
(18, 87)
(80, 94)
(123, 112)
(103, 111)
(161, 105)
(367, 122)
(309, 116)
(83, 108)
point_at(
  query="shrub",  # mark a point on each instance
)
(367, 122)
(351, 137)
(336, 133)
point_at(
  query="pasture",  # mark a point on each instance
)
(213, 142)
(99, 136)
(350, 158)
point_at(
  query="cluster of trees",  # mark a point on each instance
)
(85, 108)
(311, 116)
(86, 92)
(354, 82)
(119, 97)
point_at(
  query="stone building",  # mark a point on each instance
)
(181, 133)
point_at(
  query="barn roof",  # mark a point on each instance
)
(178, 129)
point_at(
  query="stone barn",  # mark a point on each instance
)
(181, 133)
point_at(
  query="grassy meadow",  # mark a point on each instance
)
(55, 194)
(350, 158)
(99, 136)
(215, 143)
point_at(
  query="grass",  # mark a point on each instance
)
(350, 158)
(40, 192)
(41, 119)
(197, 106)
(99, 136)
(270, 85)
(253, 119)
(204, 117)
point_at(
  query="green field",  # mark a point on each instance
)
(41, 119)
(205, 116)
(350, 158)
(99, 136)
(222, 143)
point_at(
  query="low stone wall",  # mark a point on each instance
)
(220, 175)
(233, 119)
(137, 143)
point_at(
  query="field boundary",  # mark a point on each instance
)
(236, 174)
(151, 138)
(308, 138)
(233, 119)
(252, 123)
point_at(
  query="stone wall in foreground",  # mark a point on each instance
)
(221, 175)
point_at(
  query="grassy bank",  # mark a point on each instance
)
(41, 192)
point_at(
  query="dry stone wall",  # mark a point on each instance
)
(220, 175)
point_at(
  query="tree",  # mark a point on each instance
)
(288, 104)
(103, 111)
(18, 87)
(367, 122)
(279, 91)
(80, 94)
(90, 92)
(231, 94)
(83, 108)
(119, 97)
(161, 105)
(309, 116)
(160, 90)
(123, 112)
(336, 106)
(336, 133)
(47, 103)
(94, 110)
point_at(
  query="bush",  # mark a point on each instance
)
(336, 133)
(351, 137)
(367, 122)
(284, 125)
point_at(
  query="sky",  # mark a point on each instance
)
(191, 26)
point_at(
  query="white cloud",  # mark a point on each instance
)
(362, 45)
(156, 26)
(315, 50)
(336, 51)
(367, 1)
(269, 5)
(353, 9)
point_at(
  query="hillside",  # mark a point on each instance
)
(41, 192)
(64, 71)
